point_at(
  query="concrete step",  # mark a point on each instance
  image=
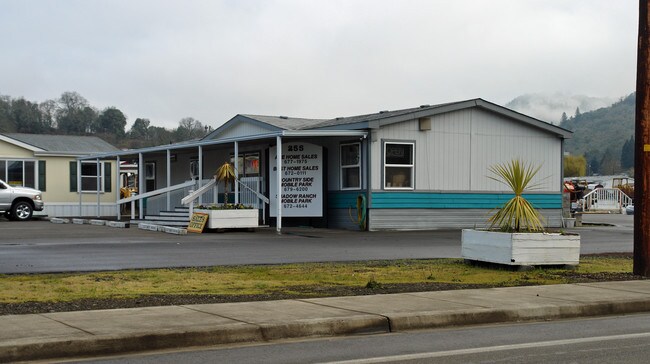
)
(167, 218)
(180, 214)
(176, 223)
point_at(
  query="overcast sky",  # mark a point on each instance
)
(165, 60)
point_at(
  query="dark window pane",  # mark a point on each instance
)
(88, 169)
(89, 183)
(351, 177)
(15, 173)
(3, 171)
(399, 153)
(350, 154)
(398, 177)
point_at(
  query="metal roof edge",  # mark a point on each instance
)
(234, 120)
(198, 143)
(323, 133)
(20, 144)
(557, 130)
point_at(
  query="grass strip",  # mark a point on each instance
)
(267, 279)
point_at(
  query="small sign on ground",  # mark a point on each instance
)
(197, 222)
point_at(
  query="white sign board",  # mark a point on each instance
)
(302, 180)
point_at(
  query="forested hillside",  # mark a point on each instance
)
(604, 136)
(71, 114)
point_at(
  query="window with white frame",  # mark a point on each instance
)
(399, 167)
(90, 175)
(351, 166)
(18, 172)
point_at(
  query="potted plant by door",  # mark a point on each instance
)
(229, 215)
(516, 235)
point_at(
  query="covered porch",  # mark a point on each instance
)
(309, 162)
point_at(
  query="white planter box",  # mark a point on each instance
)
(231, 219)
(520, 248)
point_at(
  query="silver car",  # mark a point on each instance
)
(19, 203)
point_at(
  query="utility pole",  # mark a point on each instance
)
(642, 149)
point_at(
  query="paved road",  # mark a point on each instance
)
(620, 339)
(40, 246)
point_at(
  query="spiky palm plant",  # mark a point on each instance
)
(517, 214)
(225, 173)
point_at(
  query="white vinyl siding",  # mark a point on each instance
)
(460, 147)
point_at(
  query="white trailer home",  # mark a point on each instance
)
(419, 168)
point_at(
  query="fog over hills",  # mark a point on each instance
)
(549, 107)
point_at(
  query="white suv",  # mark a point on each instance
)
(19, 203)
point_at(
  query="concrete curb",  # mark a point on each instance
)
(131, 343)
(109, 345)
(419, 321)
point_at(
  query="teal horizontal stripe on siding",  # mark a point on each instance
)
(343, 199)
(424, 200)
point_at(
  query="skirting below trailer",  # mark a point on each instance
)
(63, 209)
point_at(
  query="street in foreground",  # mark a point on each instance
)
(616, 339)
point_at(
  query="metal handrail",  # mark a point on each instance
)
(194, 195)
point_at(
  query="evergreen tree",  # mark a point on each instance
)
(111, 121)
(609, 164)
(578, 112)
(564, 118)
(627, 154)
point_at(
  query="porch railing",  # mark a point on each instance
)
(249, 195)
(606, 199)
(140, 197)
(193, 195)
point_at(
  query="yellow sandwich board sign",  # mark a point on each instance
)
(197, 222)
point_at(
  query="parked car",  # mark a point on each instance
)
(19, 203)
(629, 210)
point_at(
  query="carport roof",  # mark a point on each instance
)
(198, 143)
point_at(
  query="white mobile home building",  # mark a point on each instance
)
(419, 168)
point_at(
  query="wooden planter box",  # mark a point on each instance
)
(520, 248)
(231, 219)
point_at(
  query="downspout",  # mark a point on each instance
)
(368, 142)
(278, 152)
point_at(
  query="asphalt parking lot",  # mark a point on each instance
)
(41, 246)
